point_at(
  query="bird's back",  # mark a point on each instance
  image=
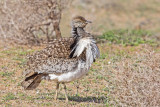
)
(57, 51)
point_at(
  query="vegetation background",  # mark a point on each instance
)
(128, 36)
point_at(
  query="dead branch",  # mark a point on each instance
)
(31, 21)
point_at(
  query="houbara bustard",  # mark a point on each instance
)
(63, 60)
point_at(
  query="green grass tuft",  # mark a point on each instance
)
(6, 74)
(9, 96)
(128, 37)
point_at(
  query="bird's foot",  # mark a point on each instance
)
(55, 98)
(67, 100)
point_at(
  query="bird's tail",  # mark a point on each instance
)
(32, 81)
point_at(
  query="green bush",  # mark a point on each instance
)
(127, 37)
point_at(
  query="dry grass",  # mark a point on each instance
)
(114, 14)
(136, 79)
(122, 76)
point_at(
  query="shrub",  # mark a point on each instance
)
(31, 21)
(127, 37)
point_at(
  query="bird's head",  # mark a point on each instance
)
(79, 21)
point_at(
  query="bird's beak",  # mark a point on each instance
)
(87, 21)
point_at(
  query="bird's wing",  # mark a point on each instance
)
(59, 66)
(55, 66)
(57, 50)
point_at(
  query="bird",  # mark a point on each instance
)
(63, 60)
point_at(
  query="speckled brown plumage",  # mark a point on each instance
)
(57, 52)
(64, 59)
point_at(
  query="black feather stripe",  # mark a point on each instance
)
(73, 47)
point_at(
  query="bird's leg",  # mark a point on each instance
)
(77, 86)
(65, 89)
(57, 88)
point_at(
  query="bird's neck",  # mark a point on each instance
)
(77, 32)
(80, 32)
(74, 32)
